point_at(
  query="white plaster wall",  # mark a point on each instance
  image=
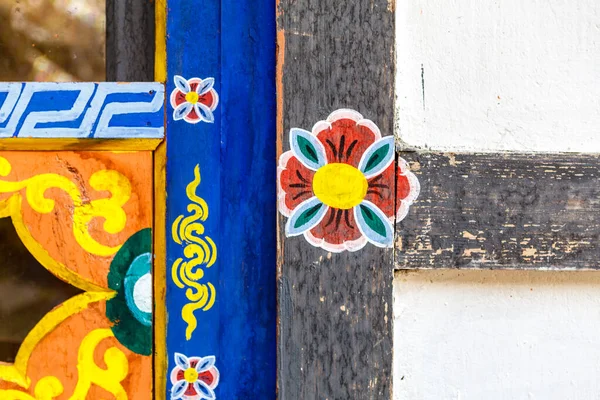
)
(499, 74)
(518, 75)
(491, 335)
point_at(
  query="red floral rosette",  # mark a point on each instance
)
(336, 185)
(194, 100)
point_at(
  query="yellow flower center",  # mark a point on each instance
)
(191, 97)
(190, 375)
(340, 185)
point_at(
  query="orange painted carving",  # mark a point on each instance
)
(85, 216)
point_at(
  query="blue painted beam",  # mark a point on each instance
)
(249, 201)
(82, 110)
(221, 288)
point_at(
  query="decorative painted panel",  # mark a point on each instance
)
(86, 217)
(221, 201)
(82, 110)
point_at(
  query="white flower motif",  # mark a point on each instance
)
(194, 378)
(194, 100)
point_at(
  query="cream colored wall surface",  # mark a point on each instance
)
(496, 335)
(491, 75)
(499, 74)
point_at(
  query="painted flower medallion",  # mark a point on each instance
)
(194, 100)
(194, 378)
(336, 184)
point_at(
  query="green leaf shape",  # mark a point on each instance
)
(377, 157)
(308, 150)
(373, 221)
(307, 216)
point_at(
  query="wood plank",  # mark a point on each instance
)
(159, 271)
(130, 46)
(81, 110)
(335, 309)
(220, 199)
(503, 210)
(26, 144)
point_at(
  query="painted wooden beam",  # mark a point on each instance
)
(502, 210)
(81, 110)
(130, 40)
(335, 306)
(221, 292)
(26, 144)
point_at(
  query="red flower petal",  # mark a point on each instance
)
(407, 189)
(178, 98)
(337, 231)
(180, 375)
(295, 183)
(190, 390)
(345, 142)
(207, 377)
(381, 189)
(192, 116)
(402, 186)
(207, 99)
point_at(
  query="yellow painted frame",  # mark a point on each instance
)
(160, 217)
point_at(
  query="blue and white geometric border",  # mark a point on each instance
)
(82, 110)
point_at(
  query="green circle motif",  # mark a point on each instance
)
(132, 327)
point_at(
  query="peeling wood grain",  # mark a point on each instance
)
(335, 333)
(504, 210)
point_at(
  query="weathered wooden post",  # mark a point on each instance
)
(335, 285)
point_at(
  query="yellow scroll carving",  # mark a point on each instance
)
(199, 251)
(47, 388)
(111, 209)
(17, 372)
(84, 211)
(90, 374)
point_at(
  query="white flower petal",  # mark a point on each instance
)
(204, 390)
(179, 390)
(182, 84)
(182, 111)
(205, 86)
(204, 113)
(182, 361)
(205, 363)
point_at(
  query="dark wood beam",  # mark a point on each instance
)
(503, 210)
(129, 41)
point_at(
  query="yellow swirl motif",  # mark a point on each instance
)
(47, 388)
(199, 251)
(111, 209)
(109, 378)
